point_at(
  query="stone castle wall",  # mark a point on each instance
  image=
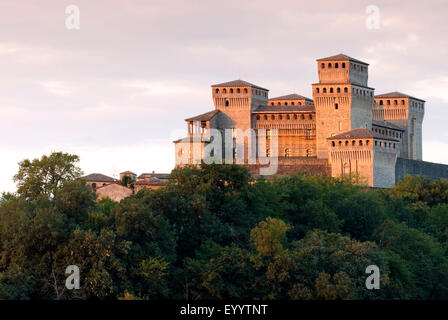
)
(420, 168)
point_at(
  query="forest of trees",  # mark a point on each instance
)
(214, 233)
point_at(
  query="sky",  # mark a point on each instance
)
(116, 91)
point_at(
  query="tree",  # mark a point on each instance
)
(42, 177)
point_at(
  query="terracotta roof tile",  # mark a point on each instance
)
(342, 57)
(293, 96)
(397, 94)
(284, 109)
(204, 117)
(98, 177)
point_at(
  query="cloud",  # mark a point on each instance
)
(58, 88)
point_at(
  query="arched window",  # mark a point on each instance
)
(224, 90)
(395, 102)
(331, 90)
(292, 103)
(333, 144)
(227, 103)
(217, 90)
(295, 117)
(287, 153)
(238, 90)
(402, 102)
(245, 90)
(311, 117)
(279, 103)
(300, 103)
(280, 117)
(322, 65)
(345, 89)
(381, 102)
(303, 117)
(336, 106)
(325, 90)
(272, 103)
(231, 90)
(258, 117)
(309, 153)
(338, 90)
(272, 117)
(343, 65)
(288, 117)
(346, 143)
(329, 65)
(367, 142)
(388, 102)
(336, 65)
(353, 142)
(286, 103)
(360, 142)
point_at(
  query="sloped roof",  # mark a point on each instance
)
(98, 177)
(397, 94)
(342, 57)
(155, 175)
(387, 124)
(152, 182)
(127, 172)
(354, 134)
(293, 96)
(284, 109)
(204, 117)
(238, 83)
(113, 185)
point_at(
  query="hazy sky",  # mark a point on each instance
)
(116, 91)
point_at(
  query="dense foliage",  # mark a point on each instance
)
(215, 234)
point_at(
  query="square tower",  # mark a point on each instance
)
(236, 100)
(342, 99)
(406, 112)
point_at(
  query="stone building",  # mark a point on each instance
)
(344, 130)
(150, 181)
(114, 191)
(96, 180)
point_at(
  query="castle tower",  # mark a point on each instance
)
(236, 100)
(342, 99)
(406, 112)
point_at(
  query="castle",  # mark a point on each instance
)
(344, 130)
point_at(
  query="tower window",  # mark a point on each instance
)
(279, 103)
(336, 106)
(231, 90)
(333, 144)
(395, 102)
(303, 117)
(360, 142)
(345, 90)
(227, 103)
(343, 65)
(336, 65)
(388, 102)
(322, 65)
(217, 90)
(265, 117)
(286, 103)
(280, 117)
(338, 90)
(288, 117)
(245, 90)
(317, 90)
(402, 102)
(272, 103)
(329, 65)
(311, 117)
(300, 103)
(224, 90)
(295, 117)
(346, 143)
(331, 90)
(273, 117)
(381, 102)
(353, 142)
(238, 90)
(258, 117)
(324, 90)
